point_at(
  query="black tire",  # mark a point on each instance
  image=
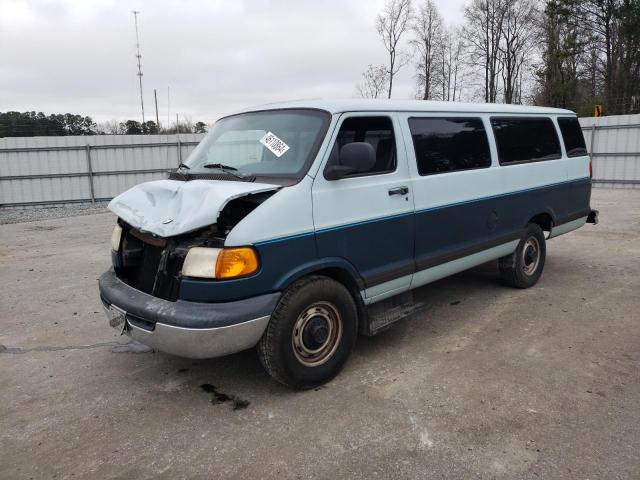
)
(305, 313)
(523, 268)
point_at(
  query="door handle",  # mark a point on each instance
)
(398, 191)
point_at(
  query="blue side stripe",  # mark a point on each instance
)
(282, 239)
(500, 195)
(412, 212)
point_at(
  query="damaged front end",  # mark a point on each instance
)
(142, 293)
(153, 264)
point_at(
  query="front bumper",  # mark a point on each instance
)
(188, 329)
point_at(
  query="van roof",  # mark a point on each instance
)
(371, 105)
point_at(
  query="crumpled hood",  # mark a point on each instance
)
(171, 207)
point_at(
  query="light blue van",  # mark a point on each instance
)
(294, 227)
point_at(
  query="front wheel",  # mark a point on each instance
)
(310, 334)
(523, 268)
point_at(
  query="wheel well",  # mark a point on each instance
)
(543, 220)
(345, 278)
(341, 276)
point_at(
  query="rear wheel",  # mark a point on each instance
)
(523, 268)
(310, 334)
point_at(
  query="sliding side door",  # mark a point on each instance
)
(457, 222)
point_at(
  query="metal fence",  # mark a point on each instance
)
(45, 171)
(614, 144)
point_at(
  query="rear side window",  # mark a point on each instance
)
(572, 136)
(376, 131)
(449, 144)
(522, 139)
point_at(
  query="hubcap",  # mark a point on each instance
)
(316, 334)
(530, 256)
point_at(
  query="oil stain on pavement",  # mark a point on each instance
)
(219, 397)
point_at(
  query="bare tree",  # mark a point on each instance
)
(373, 82)
(450, 64)
(187, 125)
(427, 41)
(517, 41)
(458, 48)
(483, 32)
(391, 24)
(111, 127)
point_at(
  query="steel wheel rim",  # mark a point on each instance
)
(316, 334)
(530, 256)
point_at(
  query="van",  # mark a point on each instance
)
(296, 226)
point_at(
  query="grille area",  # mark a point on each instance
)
(150, 265)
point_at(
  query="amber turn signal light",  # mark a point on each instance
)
(236, 262)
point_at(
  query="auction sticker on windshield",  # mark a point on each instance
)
(274, 144)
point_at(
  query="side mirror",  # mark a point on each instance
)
(355, 157)
(336, 172)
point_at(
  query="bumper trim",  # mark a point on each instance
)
(188, 329)
(200, 342)
(182, 313)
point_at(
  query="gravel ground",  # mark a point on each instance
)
(16, 215)
(488, 382)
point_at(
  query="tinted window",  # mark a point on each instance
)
(572, 137)
(449, 144)
(376, 131)
(525, 139)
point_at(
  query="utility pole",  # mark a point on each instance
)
(155, 95)
(177, 124)
(168, 108)
(138, 56)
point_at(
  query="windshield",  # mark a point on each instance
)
(277, 143)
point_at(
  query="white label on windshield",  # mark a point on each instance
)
(273, 143)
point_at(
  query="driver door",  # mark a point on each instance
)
(367, 218)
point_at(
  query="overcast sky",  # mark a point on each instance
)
(216, 56)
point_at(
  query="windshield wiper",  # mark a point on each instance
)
(183, 166)
(221, 166)
(225, 168)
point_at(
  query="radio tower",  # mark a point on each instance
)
(138, 56)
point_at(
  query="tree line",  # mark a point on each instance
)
(30, 124)
(562, 53)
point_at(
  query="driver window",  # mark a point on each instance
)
(376, 131)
